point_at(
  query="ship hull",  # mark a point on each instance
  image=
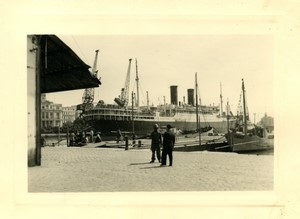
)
(245, 144)
(109, 118)
(106, 127)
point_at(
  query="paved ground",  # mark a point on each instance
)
(89, 169)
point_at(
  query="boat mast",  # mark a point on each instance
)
(227, 115)
(165, 110)
(244, 106)
(197, 117)
(137, 85)
(221, 97)
(229, 139)
(132, 101)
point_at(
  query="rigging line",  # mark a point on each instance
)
(199, 97)
(133, 86)
(247, 108)
(159, 102)
(203, 114)
(143, 93)
(79, 49)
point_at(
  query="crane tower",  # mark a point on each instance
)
(88, 95)
(124, 97)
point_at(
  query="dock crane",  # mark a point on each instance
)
(123, 99)
(88, 95)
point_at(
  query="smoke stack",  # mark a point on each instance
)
(191, 100)
(174, 94)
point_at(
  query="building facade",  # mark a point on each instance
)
(69, 114)
(51, 113)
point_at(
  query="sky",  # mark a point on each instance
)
(165, 60)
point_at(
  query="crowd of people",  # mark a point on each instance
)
(81, 138)
(162, 145)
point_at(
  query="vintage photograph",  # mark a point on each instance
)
(150, 113)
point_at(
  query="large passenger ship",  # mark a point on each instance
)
(140, 120)
(130, 117)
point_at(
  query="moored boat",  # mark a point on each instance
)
(246, 137)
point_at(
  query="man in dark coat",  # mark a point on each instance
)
(119, 136)
(168, 145)
(155, 143)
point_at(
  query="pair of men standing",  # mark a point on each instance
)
(168, 145)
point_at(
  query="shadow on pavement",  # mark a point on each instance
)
(139, 163)
(152, 167)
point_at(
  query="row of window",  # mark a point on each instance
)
(115, 112)
(124, 118)
(51, 107)
(69, 109)
(50, 115)
(69, 113)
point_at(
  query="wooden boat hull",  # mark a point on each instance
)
(240, 143)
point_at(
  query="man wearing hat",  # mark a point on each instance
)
(168, 145)
(155, 143)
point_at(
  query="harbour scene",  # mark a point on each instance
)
(218, 126)
(113, 113)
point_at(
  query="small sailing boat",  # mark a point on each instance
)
(213, 143)
(251, 138)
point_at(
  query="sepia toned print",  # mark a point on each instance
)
(100, 97)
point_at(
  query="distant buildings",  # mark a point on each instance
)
(267, 122)
(51, 113)
(69, 114)
(55, 115)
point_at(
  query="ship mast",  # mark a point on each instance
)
(244, 106)
(137, 85)
(197, 117)
(147, 100)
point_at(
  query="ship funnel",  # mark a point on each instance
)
(174, 94)
(191, 97)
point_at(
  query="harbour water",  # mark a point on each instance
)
(52, 139)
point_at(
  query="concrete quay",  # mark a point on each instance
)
(96, 169)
